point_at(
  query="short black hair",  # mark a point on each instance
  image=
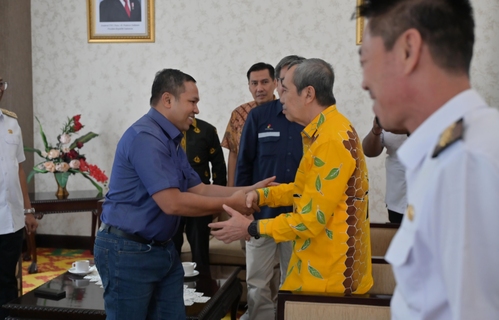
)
(446, 26)
(318, 74)
(261, 66)
(171, 81)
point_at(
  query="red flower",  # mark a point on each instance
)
(73, 154)
(79, 144)
(83, 165)
(77, 125)
(97, 173)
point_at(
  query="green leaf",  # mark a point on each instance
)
(298, 266)
(99, 188)
(314, 271)
(321, 120)
(300, 227)
(265, 192)
(305, 245)
(290, 270)
(307, 208)
(28, 149)
(320, 216)
(44, 138)
(299, 289)
(83, 139)
(294, 243)
(329, 234)
(318, 184)
(333, 174)
(318, 162)
(30, 175)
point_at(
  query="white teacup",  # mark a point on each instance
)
(188, 267)
(81, 265)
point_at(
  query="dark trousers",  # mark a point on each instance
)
(198, 235)
(394, 217)
(10, 251)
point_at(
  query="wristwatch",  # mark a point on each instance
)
(29, 211)
(253, 229)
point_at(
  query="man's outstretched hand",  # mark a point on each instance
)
(235, 228)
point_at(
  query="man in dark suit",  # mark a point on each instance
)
(120, 10)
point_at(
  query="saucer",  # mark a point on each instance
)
(79, 273)
(195, 273)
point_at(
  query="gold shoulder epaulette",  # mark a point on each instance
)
(451, 134)
(9, 113)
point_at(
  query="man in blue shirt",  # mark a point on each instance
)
(270, 145)
(151, 185)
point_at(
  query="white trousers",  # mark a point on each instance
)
(262, 255)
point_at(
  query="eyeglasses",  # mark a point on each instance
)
(3, 85)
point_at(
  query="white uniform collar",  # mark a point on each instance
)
(423, 140)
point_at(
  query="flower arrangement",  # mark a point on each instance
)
(64, 158)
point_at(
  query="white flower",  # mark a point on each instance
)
(54, 153)
(62, 167)
(74, 164)
(65, 138)
(49, 165)
(44, 154)
(65, 149)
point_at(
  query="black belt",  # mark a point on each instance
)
(133, 237)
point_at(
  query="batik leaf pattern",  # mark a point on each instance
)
(321, 217)
(305, 245)
(314, 271)
(307, 208)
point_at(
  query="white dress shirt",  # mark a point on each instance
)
(11, 196)
(395, 194)
(445, 258)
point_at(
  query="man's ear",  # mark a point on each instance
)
(166, 100)
(309, 94)
(410, 47)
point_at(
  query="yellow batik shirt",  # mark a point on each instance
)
(329, 225)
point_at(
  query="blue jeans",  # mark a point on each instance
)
(140, 281)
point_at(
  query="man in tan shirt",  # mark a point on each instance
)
(261, 83)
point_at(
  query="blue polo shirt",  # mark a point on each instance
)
(270, 145)
(148, 159)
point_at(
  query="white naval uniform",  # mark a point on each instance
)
(11, 196)
(395, 194)
(445, 257)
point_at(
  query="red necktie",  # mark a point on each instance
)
(127, 8)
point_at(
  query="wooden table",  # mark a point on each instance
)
(84, 300)
(77, 201)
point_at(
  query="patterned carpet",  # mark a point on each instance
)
(51, 263)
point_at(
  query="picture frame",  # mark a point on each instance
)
(111, 21)
(360, 21)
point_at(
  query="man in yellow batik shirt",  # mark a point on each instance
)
(329, 225)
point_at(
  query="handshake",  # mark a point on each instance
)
(241, 208)
(244, 203)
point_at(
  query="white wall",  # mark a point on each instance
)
(215, 41)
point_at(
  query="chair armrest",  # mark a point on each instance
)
(367, 300)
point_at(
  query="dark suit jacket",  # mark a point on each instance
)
(113, 10)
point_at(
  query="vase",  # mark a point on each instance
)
(61, 178)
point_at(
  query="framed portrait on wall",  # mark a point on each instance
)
(359, 25)
(120, 20)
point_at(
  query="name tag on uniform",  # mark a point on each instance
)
(268, 134)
